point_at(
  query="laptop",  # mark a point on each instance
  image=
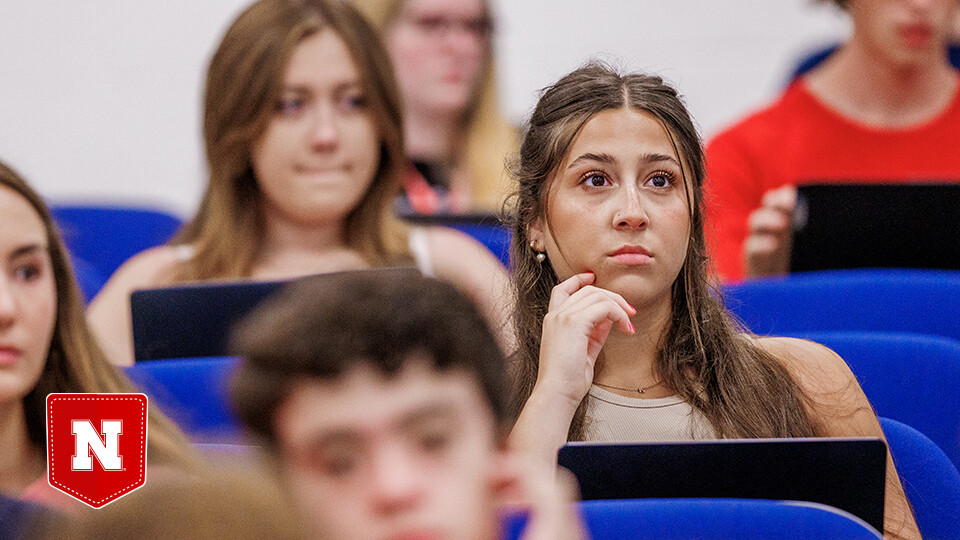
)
(195, 320)
(848, 474)
(913, 225)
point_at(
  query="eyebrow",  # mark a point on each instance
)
(657, 158)
(27, 250)
(649, 157)
(305, 89)
(589, 156)
(441, 411)
(347, 434)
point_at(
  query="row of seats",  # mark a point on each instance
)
(194, 392)
(897, 329)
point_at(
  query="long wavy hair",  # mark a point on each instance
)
(487, 134)
(74, 362)
(243, 84)
(742, 390)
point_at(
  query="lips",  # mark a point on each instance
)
(416, 535)
(632, 254)
(916, 35)
(9, 355)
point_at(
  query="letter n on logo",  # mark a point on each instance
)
(96, 445)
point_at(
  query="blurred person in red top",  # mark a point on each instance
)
(882, 109)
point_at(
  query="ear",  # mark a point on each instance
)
(535, 234)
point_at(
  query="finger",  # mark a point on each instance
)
(783, 199)
(760, 245)
(768, 220)
(592, 311)
(621, 301)
(589, 290)
(567, 287)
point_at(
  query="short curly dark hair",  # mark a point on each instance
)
(321, 326)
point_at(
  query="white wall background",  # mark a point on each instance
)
(100, 99)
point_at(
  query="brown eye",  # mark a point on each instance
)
(661, 180)
(595, 180)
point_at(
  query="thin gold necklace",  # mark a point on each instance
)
(638, 389)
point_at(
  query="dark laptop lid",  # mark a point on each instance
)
(848, 474)
(876, 226)
(195, 320)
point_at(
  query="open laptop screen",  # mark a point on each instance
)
(876, 226)
(848, 474)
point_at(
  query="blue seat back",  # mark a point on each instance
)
(911, 378)
(930, 480)
(104, 236)
(194, 393)
(920, 301)
(709, 519)
(495, 236)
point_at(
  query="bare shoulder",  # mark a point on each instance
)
(455, 252)
(150, 268)
(451, 239)
(476, 272)
(815, 367)
(109, 313)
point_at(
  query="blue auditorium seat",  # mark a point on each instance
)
(929, 479)
(712, 519)
(104, 236)
(910, 378)
(194, 393)
(891, 300)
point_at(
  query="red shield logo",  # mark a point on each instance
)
(96, 445)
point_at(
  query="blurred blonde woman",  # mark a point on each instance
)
(456, 137)
(305, 146)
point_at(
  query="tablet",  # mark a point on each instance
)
(848, 474)
(913, 225)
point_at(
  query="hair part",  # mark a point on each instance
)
(742, 390)
(322, 326)
(243, 84)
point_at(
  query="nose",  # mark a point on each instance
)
(920, 6)
(8, 304)
(630, 213)
(324, 128)
(395, 483)
(464, 42)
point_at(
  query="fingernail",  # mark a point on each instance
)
(632, 308)
(632, 329)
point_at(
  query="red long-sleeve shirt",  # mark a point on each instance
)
(797, 140)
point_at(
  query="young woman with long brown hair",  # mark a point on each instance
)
(620, 338)
(45, 345)
(304, 139)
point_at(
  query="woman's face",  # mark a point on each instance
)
(438, 48)
(28, 296)
(617, 207)
(320, 151)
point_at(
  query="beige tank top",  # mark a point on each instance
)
(617, 419)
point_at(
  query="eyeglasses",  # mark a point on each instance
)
(436, 26)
